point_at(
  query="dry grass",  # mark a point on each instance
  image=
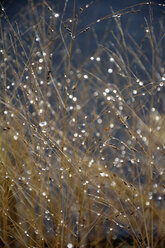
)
(82, 133)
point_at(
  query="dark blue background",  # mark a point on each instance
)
(12, 7)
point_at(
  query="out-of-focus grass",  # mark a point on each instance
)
(82, 137)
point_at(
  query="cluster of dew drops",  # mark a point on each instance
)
(113, 101)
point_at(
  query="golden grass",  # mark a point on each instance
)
(82, 136)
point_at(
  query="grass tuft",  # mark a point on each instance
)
(82, 136)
